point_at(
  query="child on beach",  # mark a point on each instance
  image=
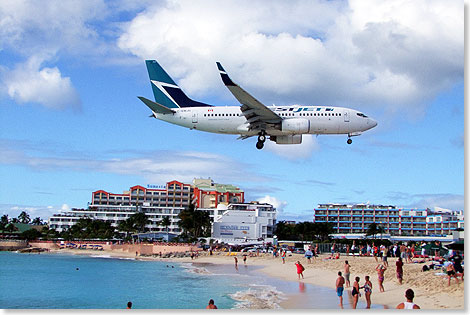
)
(355, 292)
(283, 256)
(300, 269)
(380, 272)
(367, 290)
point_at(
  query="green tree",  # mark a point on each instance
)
(127, 226)
(285, 231)
(140, 220)
(372, 230)
(31, 234)
(165, 222)
(3, 222)
(23, 217)
(37, 221)
(322, 230)
(11, 228)
(194, 223)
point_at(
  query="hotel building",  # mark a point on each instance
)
(356, 218)
(166, 201)
(245, 221)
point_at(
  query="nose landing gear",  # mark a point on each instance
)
(261, 140)
(349, 141)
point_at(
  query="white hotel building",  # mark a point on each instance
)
(168, 201)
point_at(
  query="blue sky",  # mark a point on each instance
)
(72, 123)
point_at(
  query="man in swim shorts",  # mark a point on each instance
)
(339, 288)
(347, 273)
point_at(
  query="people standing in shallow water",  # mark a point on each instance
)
(367, 291)
(211, 305)
(409, 305)
(355, 292)
(340, 288)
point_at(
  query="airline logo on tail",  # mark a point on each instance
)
(166, 91)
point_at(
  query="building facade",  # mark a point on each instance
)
(248, 221)
(356, 218)
(168, 201)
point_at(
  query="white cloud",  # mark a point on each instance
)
(154, 166)
(294, 152)
(32, 83)
(394, 55)
(278, 204)
(44, 212)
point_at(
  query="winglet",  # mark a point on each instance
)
(224, 75)
(155, 107)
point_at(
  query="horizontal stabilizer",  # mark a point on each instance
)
(155, 107)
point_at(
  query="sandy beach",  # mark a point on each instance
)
(431, 290)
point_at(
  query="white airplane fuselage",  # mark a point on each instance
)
(296, 119)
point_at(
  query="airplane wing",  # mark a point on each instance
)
(257, 114)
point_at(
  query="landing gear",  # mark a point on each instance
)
(261, 140)
(349, 141)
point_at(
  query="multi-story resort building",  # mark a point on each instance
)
(245, 221)
(158, 203)
(353, 219)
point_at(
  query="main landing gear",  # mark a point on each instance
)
(261, 140)
(349, 141)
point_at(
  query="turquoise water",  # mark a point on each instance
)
(53, 281)
(62, 281)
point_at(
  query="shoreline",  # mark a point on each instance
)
(431, 291)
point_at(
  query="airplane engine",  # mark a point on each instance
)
(290, 139)
(296, 125)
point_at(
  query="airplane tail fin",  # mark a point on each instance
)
(166, 91)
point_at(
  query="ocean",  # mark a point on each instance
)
(64, 281)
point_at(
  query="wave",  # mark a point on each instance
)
(111, 257)
(258, 297)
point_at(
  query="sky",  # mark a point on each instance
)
(71, 123)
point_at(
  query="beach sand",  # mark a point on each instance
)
(431, 291)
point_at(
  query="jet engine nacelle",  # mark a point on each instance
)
(290, 139)
(296, 125)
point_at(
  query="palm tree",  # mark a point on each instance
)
(37, 221)
(3, 222)
(372, 230)
(127, 226)
(194, 223)
(140, 220)
(165, 222)
(23, 217)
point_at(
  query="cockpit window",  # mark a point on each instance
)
(361, 115)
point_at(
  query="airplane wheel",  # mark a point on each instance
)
(259, 145)
(349, 141)
(261, 138)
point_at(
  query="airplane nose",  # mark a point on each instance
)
(372, 123)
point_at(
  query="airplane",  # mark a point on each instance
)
(283, 124)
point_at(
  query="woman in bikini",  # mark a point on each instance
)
(367, 290)
(355, 292)
(380, 272)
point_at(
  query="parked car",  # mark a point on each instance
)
(299, 251)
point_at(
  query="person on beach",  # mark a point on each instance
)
(211, 305)
(451, 272)
(309, 255)
(409, 305)
(340, 288)
(244, 259)
(384, 256)
(380, 272)
(300, 269)
(457, 260)
(399, 265)
(129, 305)
(236, 262)
(347, 273)
(283, 256)
(355, 292)
(353, 248)
(367, 291)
